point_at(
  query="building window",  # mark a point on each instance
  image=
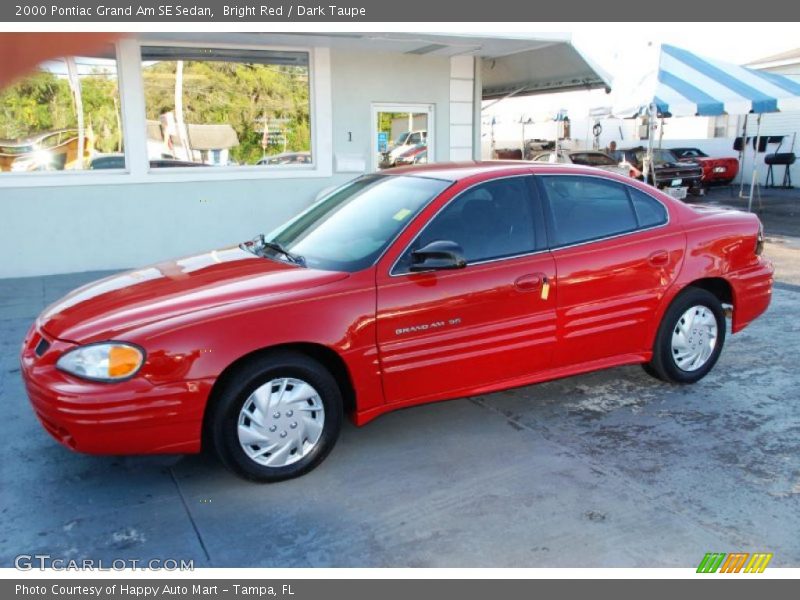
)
(65, 117)
(219, 107)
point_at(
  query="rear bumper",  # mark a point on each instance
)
(690, 182)
(129, 417)
(720, 172)
(752, 292)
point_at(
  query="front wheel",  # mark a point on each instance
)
(277, 417)
(690, 337)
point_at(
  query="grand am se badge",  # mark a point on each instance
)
(427, 326)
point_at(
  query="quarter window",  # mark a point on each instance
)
(649, 211)
(587, 208)
(489, 221)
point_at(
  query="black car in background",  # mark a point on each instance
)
(117, 161)
(675, 177)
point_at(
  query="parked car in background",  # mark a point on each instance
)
(287, 158)
(396, 289)
(586, 158)
(414, 156)
(675, 177)
(719, 171)
(534, 146)
(117, 161)
(49, 151)
(405, 142)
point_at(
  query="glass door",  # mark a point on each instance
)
(400, 135)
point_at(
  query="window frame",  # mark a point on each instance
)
(83, 176)
(540, 226)
(550, 224)
(132, 107)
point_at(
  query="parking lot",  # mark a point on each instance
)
(608, 469)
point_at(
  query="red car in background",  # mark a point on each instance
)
(718, 171)
(399, 288)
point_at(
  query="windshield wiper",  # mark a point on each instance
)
(278, 247)
(258, 244)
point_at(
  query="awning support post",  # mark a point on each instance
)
(754, 179)
(742, 156)
(648, 167)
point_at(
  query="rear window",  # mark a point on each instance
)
(659, 156)
(592, 159)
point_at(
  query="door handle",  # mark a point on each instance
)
(529, 283)
(660, 258)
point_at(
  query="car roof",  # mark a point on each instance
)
(457, 171)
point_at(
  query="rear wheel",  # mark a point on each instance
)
(277, 417)
(690, 338)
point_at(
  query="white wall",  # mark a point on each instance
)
(68, 228)
(361, 79)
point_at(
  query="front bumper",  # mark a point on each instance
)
(128, 417)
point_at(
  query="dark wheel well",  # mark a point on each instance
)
(322, 354)
(717, 286)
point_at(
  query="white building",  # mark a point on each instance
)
(116, 209)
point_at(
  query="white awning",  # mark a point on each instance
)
(555, 67)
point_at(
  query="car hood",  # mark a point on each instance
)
(107, 308)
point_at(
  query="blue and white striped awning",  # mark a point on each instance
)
(687, 85)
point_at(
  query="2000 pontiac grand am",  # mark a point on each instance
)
(425, 284)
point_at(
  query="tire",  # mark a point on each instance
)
(283, 408)
(684, 351)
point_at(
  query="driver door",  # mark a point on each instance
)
(443, 332)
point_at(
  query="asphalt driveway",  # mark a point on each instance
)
(607, 469)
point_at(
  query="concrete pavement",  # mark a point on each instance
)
(608, 469)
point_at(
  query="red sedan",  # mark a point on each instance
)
(715, 170)
(397, 289)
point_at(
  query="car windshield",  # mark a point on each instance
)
(350, 228)
(689, 153)
(592, 159)
(660, 156)
(403, 137)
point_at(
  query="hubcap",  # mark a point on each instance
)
(694, 338)
(281, 422)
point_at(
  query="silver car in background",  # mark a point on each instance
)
(586, 158)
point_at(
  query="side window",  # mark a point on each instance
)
(587, 208)
(649, 211)
(489, 221)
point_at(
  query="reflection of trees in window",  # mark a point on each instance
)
(43, 103)
(248, 97)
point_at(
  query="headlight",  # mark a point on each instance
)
(108, 361)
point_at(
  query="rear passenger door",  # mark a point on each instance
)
(616, 254)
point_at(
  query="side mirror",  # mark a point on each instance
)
(438, 255)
